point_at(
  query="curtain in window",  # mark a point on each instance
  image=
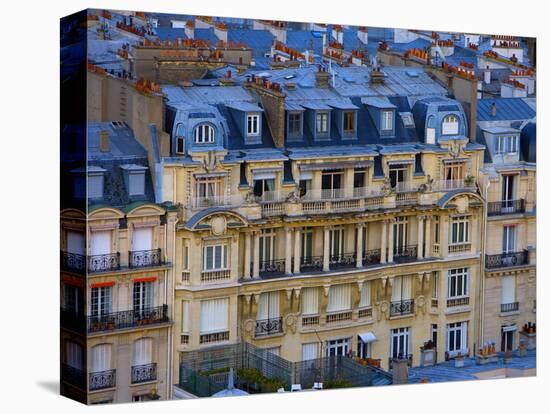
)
(214, 315)
(143, 352)
(101, 357)
(402, 288)
(365, 295)
(339, 298)
(185, 316)
(74, 355)
(142, 239)
(310, 301)
(100, 242)
(268, 306)
(310, 351)
(508, 289)
(75, 242)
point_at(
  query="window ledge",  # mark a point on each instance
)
(458, 309)
(512, 313)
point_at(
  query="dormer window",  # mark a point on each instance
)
(507, 144)
(134, 178)
(387, 121)
(450, 125)
(294, 124)
(180, 139)
(95, 183)
(349, 123)
(204, 134)
(253, 125)
(321, 123)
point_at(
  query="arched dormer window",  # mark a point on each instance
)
(204, 134)
(450, 125)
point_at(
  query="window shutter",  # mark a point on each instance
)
(339, 298)
(185, 316)
(75, 242)
(396, 289)
(214, 315)
(365, 295)
(310, 351)
(143, 352)
(100, 242)
(310, 301)
(136, 183)
(268, 306)
(101, 357)
(142, 239)
(508, 289)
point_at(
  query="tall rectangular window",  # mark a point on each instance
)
(508, 188)
(401, 288)
(267, 247)
(339, 298)
(336, 240)
(387, 121)
(349, 122)
(332, 182)
(310, 301)
(143, 296)
(307, 242)
(460, 230)
(400, 343)
(365, 299)
(294, 124)
(508, 285)
(398, 175)
(214, 315)
(400, 230)
(95, 185)
(215, 257)
(457, 338)
(101, 300)
(457, 283)
(321, 123)
(508, 239)
(253, 125)
(268, 306)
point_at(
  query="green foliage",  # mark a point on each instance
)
(264, 384)
(337, 383)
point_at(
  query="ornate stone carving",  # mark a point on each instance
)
(250, 197)
(294, 196)
(427, 186)
(387, 189)
(291, 321)
(218, 225)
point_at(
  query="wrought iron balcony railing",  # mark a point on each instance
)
(73, 262)
(73, 320)
(371, 257)
(311, 264)
(128, 319)
(404, 254)
(144, 373)
(102, 380)
(402, 307)
(145, 258)
(342, 261)
(495, 261)
(509, 307)
(104, 262)
(74, 376)
(272, 267)
(497, 208)
(268, 327)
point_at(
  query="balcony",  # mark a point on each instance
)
(460, 248)
(145, 258)
(128, 319)
(267, 327)
(405, 254)
(497, 208)
(102, 380)
(342, 261)
(495, 261)
(450, 185)
(402, 307)
(365, 313)
(509, 307)
(371, 257)
(104, 262)
(215, 275)
(213, 337)
(74, 376)
(144, 373)
(340, 316)
(337, 200)
(308, 321)
(211, 201)
(73, 262)
(272, 268)
(452, 302)
(311, 264)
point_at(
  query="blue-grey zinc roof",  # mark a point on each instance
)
(508, 109)
(169, 33)
(259, 40)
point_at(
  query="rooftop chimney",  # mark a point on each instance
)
(400, 371)
(377, 76)
(104, 141)
(493, 109)
(321, 78)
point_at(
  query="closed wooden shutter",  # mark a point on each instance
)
(100, 242)
(143, 352)
(339, 298)
(310, 301)
(214, 315)
(101, 357)
(75, 242)
(142, 239)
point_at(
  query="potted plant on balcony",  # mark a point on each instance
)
(427, 354)
(459, 360)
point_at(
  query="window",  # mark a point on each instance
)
(508, 239)
(508, 190)
(143, 296)
(454, 174)
(450, 125)
(101, 301)
(436, 229)
(430, 130)
(507, 144)
(76, 242)
(349, 122)
(321, 123)
(457, 338)
(336, 246)
(460, 226)
(338, 347)
(215, 257)
(185, 255)
(95, 185)
(185, 316)
(507, 337)
(180, 139)
(143, 352)
(305, 187)
(142, 239)
(339, 298)
(310, 301)
(101, 357)
(307, 242)
(457, 283)
(294, 124)
(387, 121)
(331, 183)
(435, 286)
(434, 335)
(508, 284)
(400, 234)
(73, 299)
(136, 183)
(74, 355)
(408, 120)
(268, 306)
(253, 125)
(310, 351)
(100, 242)
(365, 299)
(400, 343)
(208, 189)
(214, 315)
(267, 248)
(401, 288)
(359, 178)
(398, 175)
(204, 134)
(264, 187)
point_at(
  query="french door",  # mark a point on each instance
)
(338, 347)
(400, 343)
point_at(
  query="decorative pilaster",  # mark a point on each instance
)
(247, 249)
(383, 242)
(420, 237)
(288, 251)
(326, 250)
(359, 245)
(428, 244)
(390, 240)
(297, 250)
(256, 264)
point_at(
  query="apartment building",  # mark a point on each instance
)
(117, 274)
(321, 220)
(507, 128)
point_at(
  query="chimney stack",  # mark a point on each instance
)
(493, 109)
(400, 371)
(322, 78)
(104, 141)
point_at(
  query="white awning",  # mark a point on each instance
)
(367, 337)
(508, 328)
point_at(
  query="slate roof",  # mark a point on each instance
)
(508, 109)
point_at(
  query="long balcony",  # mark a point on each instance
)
(495, 261)
(405, 254)
(311, 264)
(402, 307)
(338, 200)
(267, 327)
(342, 261)
(102, 380)
(128, 319)
(272, 268)
(509, 307)
(144, 373)
(497, 208)
(145, 258)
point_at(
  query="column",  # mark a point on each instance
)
(390, 240)
(326, 250)
(297, 250)
(288, 251)
(247, 248)
(359, 245)
(256, 264)
(428, 251)
(383, 242)
(420, 237)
